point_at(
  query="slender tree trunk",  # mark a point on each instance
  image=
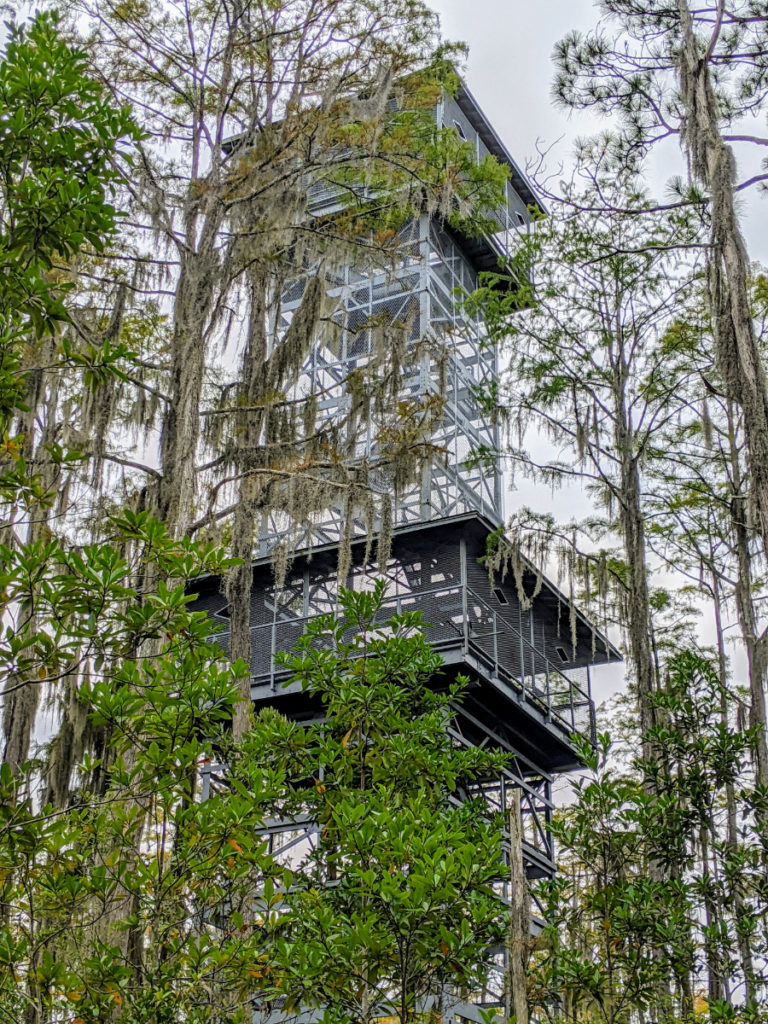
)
(755, 642)
(250, 427)
(264, 374)
(20, 707)
(638, 612)
(732, 832)
(199, 279)
(737, 352)
(716, 978)
(519, 935)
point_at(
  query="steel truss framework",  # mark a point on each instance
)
(449, 363)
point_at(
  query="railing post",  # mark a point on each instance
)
(522, 650)
(549, 695)
(273, 646)
(533, 649)
(464, 607)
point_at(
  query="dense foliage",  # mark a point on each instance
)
(122, 893)
(161, 171)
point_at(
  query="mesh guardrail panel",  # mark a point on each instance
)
(454, 618)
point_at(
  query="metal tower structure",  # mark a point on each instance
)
(529, 674)
(436, 266)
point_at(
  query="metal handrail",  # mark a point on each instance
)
(539, 682)
(575, 697)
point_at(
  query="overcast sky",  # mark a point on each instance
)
(510, 74)
(510, 65)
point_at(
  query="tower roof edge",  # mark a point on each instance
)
(477, 118)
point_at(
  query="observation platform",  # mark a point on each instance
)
(528, 683)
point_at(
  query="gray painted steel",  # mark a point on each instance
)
(529, 688)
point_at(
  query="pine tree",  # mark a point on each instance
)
(595, 369)
(675, 71)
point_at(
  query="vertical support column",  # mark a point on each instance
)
(264, 536)
(522, 645)
(424, 366)
(592, 716)
(533, 649)
(498, 480)
(549, 840)
(273, 639)
(463, 579)
(273, 649)
(495, 644)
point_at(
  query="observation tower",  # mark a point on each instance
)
(528, 667)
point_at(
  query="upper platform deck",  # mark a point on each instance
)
(486, 252)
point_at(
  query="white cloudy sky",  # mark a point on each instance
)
(510, 74)
(510, 68)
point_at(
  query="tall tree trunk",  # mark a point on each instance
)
(733, 890)
(20, 706)
(737, 352)
(265, 373)
(250, 425)
(755, 642)
(199, 279)
(519, 935)
(717, 979)
(638, 612)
